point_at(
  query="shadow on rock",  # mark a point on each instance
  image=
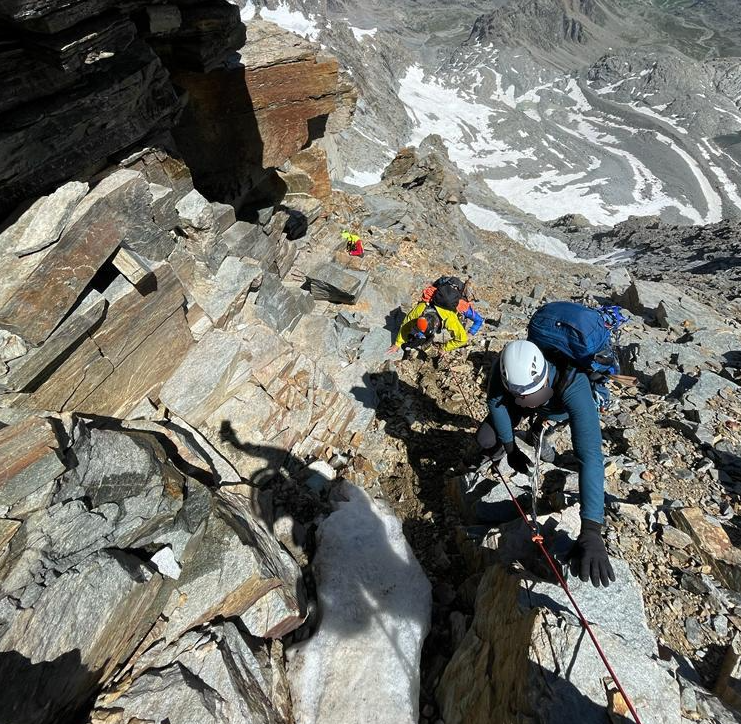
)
(47, 692)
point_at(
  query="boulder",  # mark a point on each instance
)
(712, 544)
(215, 677)
(105, 219)
(209, 374)
(728, 684)
(98, 616)
(282, 307)
(119, 362)
(374, 611)
(69, 569)
(30, 460)
(222, 295)
(708, 385)
(245, 239)
(669, 306)
(521, 657)
(49, 219)
(234, 540)
(335, 283)
(32, 367)
(383, 212)
(670, 383)
(195, 211)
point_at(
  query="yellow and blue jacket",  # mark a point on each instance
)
(450, 322)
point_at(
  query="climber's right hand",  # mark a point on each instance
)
(392, 349)
(518, 461)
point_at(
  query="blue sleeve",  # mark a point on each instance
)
(586, 437)
(477, 319)
(498, 412)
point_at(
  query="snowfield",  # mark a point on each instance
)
(554, 149)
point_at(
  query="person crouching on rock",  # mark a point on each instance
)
(526, 385)
(423, 322)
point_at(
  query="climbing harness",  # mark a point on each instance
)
(537, 538)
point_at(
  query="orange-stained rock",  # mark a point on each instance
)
(712, 543)
(313, 162)
(257, 113)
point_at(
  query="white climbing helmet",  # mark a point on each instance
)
(524, 372)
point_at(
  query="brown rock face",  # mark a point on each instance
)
(255, 114)
(312, 162)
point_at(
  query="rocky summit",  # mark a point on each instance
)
(226, 497)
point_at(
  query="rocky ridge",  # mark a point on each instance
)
(639, 119)
(671, 470)
(192, 483)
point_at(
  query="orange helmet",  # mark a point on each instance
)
(422, 324)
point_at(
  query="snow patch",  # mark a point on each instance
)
(361, 33)
(729, 187)
(292, 20)
(374, 612)
(361, 178)
(247, 12)
(492, 221)
(464, 124)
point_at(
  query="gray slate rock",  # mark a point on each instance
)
(50, 219)
(219, 677)
(282, 307)
(335, 283)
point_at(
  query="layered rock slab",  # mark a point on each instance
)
(123, 553)
(218, 677)
(256, 113)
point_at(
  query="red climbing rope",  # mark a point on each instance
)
(538, 540)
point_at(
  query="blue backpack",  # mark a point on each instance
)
(572, 335)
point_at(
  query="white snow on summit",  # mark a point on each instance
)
(292, 20)
(360, 33)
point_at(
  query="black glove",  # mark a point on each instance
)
(517, 460)
(588, 558)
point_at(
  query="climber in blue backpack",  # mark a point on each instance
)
(558, 375)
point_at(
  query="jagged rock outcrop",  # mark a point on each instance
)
(84, 84)
(701, 257)
(120, 547)
(149, 386)
(270, 102)
(98, 79)
(543, 23)
(521, 662)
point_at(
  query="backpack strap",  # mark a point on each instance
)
(565, 375)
